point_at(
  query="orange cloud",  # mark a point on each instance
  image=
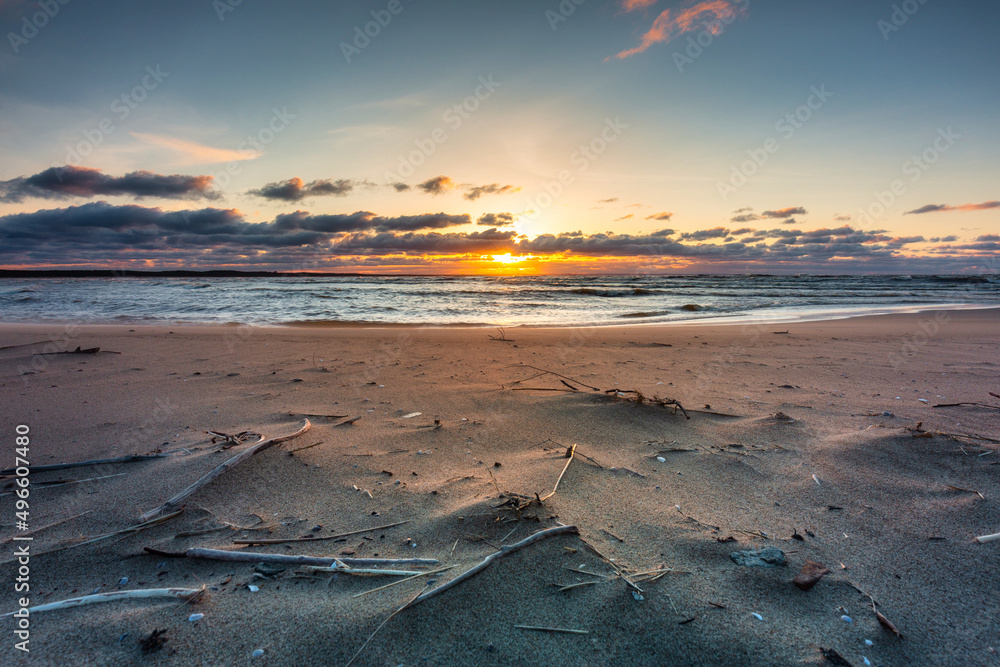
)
(710, 14)
(632, 5)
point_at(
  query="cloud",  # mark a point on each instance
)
(609, 200)
(935, 208)
(944, 239)
(400, 187)
(660, 216)
(624, 217)
(496, 219)
(475, 192)
(633, 5)
(194, 151)
(437, 185)
(294, 189)
(72, 181)
(710, 15)
(715, 233)
(99, 234)
(784, 212)
(745, 217)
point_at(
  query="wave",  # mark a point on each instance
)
(610, 293)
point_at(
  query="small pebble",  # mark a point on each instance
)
(867, 661)
(846, 619)
(254, 589)
(637, 596)
(256, 654)
(194, 618)
(123, 581)
(661, 459)
(869, 642)
(757, 616)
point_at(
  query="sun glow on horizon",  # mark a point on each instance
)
(510, 259)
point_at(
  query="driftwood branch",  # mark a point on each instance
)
(281, 559)
(505, 550)
(569, 455)
(186, 594)
(236, 460)
(318, 539)
(80, 464)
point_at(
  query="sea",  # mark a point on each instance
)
(484, 300)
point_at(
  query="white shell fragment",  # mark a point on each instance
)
(638, 596)
(661, 459)
(869, 642)
(867, 661)
(254, 589)
(194, 618)
(256, 654)
(123, 581)
(412, 415)
(846, 619)
(757, 616)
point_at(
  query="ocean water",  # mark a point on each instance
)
(483, 300)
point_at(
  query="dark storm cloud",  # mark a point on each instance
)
(72, 181)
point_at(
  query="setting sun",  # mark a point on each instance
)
(509, 259)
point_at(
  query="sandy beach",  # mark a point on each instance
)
(819, 439)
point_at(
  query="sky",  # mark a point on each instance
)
(524, 136)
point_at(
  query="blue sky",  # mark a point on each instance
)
(672, 129)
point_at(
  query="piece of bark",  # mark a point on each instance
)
(810, 575)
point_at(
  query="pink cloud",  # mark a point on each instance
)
(632, 5)
(709, 14)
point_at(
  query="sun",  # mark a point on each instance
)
(508, 258)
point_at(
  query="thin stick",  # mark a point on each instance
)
(564, 377)
(302, 449)
(504, 551)
(186, 594)
(572, 453)
(66, 482)
(125, 531)
(983, 539)
(250, 557)
(55, 523)
(403, 581)
(236, 460)
(319, 539)
(362, 572)
(381, 625)
(568, 391)
(540, 629)
(80, 464)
